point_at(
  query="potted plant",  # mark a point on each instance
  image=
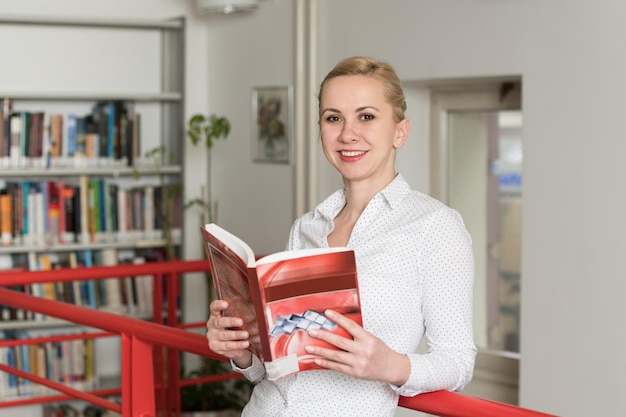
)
(207, 130)
(215, 399)
(224, 398)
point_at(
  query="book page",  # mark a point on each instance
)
(230, 279)
(298, 253)
(240, 248)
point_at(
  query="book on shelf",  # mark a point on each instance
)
(83, 209)
(55, 137)
(71, 362)
(6, 218)
(143, 289)
(110, 287)
(16, 193)
(12, 387)
(283, 295)
(2, 133)
(106, 136)
(8, 266)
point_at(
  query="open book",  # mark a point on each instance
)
(283, 295)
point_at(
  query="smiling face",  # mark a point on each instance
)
(358, 130)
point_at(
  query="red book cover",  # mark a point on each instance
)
(282, 296)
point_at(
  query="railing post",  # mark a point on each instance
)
(138, 398)
(173, 355)
(159, 362)
(127, 383)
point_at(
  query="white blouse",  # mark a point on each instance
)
(416, 272)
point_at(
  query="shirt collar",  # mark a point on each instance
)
(393, 194)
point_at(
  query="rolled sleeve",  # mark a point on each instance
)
(255, 372)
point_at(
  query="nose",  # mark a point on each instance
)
(348, 134)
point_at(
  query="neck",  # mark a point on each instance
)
(359, 194)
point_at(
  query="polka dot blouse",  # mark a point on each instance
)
(416, 272)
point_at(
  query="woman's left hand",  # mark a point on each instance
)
(365, 356)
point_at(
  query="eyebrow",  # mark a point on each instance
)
(360, 109)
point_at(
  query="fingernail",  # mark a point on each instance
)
(313, 332)
(309, 349)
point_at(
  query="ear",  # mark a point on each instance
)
(402, 133)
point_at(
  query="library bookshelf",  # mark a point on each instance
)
(83, 103)
(75, 181)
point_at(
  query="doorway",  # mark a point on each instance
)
(476, 168)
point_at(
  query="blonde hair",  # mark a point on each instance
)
(362, 65)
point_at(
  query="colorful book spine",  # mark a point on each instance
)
(6, 218)
(90, 284)
(24, 365)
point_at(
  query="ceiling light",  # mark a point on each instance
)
(226, 6)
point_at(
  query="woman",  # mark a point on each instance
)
(414, 261)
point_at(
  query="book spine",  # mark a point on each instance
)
(60, 185)
(78, 363)
(6, 218)
(111, 131)
(111, 285)
(56, 139)
(69, 209)
(84, 209)
(90, 365)
(14, 190)
(24, 160)
(14, 151)
(32, 213)
(2, 134)
(25, 210)
(36, 139)
(24, 364)
(66, 362)
(4, 376)
(72, 133)
(54, 212)
(144, 290)
(12, 389)
(40, 359)
(90, 284)
(148, 213)
(122, 223)
(41, 214)
(102, 209)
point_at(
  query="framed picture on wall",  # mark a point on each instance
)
(272, 109)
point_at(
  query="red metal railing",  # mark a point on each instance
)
(146, 385)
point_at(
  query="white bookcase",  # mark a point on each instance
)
(66, 65)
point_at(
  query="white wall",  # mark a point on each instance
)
(570, 56)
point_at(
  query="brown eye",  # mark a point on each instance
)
(367, 116)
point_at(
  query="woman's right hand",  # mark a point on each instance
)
(226, 337)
